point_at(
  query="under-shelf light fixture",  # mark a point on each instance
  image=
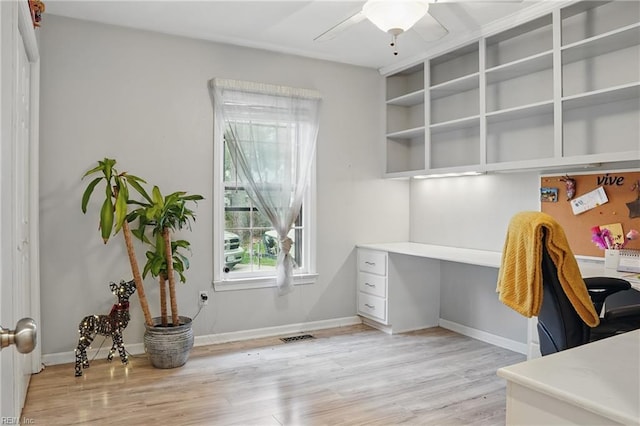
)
(444, 175)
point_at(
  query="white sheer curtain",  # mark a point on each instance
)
(271, 133)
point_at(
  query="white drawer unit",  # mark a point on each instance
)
(397, 293)
(372, 285)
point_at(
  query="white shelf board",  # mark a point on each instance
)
(409, 99)
(531, 64)
(457, 124)
(407, 134)
(603, 96)
(620, 38)
(630, 159)
(404, 174)
(458, 85)
(524, 111)
(458, 170)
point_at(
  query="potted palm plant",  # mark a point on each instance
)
(167, 343)
(113, 215)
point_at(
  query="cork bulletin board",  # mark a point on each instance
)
(622, 207)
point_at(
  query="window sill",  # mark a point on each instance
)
(259, 282)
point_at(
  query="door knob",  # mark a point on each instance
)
(24, 336)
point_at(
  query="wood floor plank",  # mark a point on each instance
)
(350, 375)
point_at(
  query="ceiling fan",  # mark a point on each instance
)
(395, 17)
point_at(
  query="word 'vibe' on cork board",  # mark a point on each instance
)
(583, 203)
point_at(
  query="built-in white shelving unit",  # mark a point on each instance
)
(562, 89)
(405, 120)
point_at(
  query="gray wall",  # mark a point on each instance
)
(142, 98)
(473, 212)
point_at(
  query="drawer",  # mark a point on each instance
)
(372, 284)
(374, 262)
(372, 306)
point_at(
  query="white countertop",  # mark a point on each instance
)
(590, 267)
(453, 254)
(602, 377)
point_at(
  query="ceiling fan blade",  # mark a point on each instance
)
(332, 32)
(429, 28)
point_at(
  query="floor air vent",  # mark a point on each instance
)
(297, 338)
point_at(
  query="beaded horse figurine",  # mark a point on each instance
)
(106, 325)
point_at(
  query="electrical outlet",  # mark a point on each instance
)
(203, 299)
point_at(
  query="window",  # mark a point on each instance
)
(246, 244)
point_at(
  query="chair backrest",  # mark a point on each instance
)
(559, 325)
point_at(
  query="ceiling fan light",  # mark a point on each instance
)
(395, 14)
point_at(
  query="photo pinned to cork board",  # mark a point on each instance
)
(597, 210)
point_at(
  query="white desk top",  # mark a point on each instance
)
(453, 254)
(589, 267)
(602, 377)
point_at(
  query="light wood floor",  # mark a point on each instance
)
(345, 376)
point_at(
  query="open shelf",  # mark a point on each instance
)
(408, 81)
(456, 147)
(604, 96)
(407, 134)
(454, 65)
(589, 19)
(460, 123)
(405, 154)
(622, 38)
(529, 65)
(517, 113)
(409, 99)
(520, 42)
(448, 88)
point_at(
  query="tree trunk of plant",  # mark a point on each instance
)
(166, 235)
(163, 300)
(136, 274)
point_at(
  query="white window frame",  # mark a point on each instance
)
(223, 281)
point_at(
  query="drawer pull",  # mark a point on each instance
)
(369, 306)
(370, 263)
(370, 285)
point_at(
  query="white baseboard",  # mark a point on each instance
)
(484, 336)
(211, 339)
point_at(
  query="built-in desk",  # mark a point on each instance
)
(593, 384)
(402, 291)
(452, 254)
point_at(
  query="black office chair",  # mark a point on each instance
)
(559, 325)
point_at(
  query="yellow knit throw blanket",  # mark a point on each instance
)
(520, 275)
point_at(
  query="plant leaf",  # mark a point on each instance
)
(88, 192)
(134, 182)
(121, 210)
(108, 168)
(157, 196)
(106, 219)
(99, 167)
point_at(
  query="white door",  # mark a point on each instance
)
(21, 261)
(19, 277)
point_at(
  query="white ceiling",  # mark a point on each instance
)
(290, 26)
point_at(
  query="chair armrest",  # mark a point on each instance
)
(607, 283)
(623, 313)
(602, 287)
